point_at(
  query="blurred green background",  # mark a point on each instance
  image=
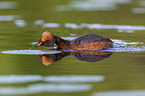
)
(122, 71)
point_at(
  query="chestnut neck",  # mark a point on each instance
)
(64, 44)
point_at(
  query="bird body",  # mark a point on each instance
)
(84, 42)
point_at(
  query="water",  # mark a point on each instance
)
(26, 71)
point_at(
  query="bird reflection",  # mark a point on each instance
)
(88, 56)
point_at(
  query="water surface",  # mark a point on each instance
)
(26, 71)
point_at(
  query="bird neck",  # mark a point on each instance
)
(61, 43)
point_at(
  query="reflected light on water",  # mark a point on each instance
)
(38, 88)
(30, 52)
(121, 93)
(124, 46)
(7, 17)
(73, 78)
(120, 28)
(6, 79)
(124, 43)
(91, 5)
(39, 22)
(138, 10)
(19, 78)
(20, 23)
(71, 25)
(8, 4)
(51, 25)
(141, 3)
(65, 83)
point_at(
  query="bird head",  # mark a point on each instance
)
(47, 39)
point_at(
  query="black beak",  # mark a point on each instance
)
(37, 44)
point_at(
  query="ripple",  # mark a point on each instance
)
(125, 46)
(121, 93)
(30, 52)
(120, 28)
(51, 25)
(73, 78)
(11, 79)
(19, 78)
(8, 17)
(121, 45)
(126, 49)
(91, 5)
(8, 4)
(39, 88)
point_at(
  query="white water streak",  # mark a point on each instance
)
(7, 79)
(121, 93)
(39, 88)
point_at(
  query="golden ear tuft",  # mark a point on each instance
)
(46, 36)
(46, 33)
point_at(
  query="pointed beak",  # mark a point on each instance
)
(36, 44)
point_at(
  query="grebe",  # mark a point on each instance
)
(84, 42)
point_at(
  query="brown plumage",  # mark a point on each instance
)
(88, 56)
(85, 42)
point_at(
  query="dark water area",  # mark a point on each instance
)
(118, 71)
